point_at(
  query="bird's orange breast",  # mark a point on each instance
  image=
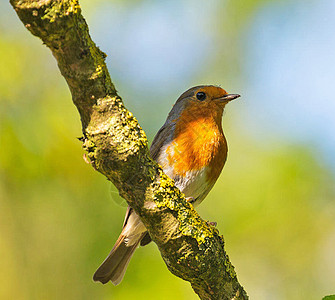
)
(198, 141)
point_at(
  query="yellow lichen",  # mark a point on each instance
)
(229, 267)
(190, 222)
(59, 9)
(98, 72)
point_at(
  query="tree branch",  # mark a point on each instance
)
(118, 148)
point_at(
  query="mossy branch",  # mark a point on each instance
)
(118, 148)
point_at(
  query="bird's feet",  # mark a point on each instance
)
(190, 199)
(212, 223)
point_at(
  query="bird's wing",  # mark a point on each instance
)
(163, 137)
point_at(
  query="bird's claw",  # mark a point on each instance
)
(190, 199)
(212, 223)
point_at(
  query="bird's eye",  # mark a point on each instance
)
(201, 96)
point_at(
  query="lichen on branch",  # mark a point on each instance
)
(118, 148)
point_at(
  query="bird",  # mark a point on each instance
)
(191, 149)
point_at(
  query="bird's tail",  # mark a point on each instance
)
(115, 265)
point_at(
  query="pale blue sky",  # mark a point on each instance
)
(154, 45)
(290, 67)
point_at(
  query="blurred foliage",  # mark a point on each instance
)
(59, 218)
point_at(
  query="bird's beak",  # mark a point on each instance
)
(228, 97)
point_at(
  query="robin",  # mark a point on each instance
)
(192, 150)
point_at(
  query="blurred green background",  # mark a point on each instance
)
(274, 202)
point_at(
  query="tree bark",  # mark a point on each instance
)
(117, 147)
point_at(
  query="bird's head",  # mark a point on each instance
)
(207, 94)
(202, 102)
